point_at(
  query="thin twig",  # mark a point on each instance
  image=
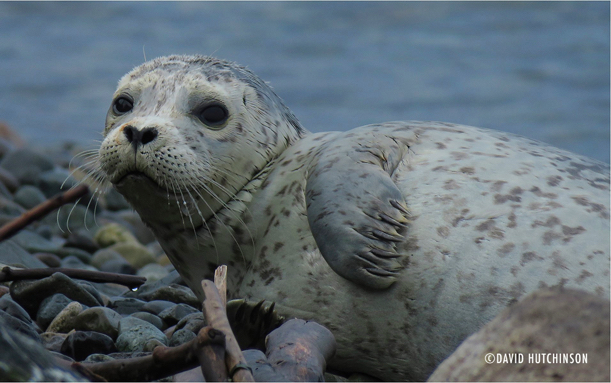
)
(220, 281)
(216, 316)
(131, 281)
(41, 210)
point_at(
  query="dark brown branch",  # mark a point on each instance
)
(131, 281)
(297, 351)
(164, 362)
(216, 316)
(38, 212)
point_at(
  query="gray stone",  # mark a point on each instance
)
(71, 218)
(73, 262)
(50, 182)
(142, 233)
(102, 256)
(156, 306)
(549, 320)
(49, 308)
(64, 252)
(44, 231)
(53, 341)
(134, 334)
(181, 336)
(125, 306)
(26, 165)
(174, 293)
(30, 293)
(120, 266)
(24, 359)
(8, 180)
(152, 319)
(11, 254)
(20, 326)
(8, 305)
(174, 314)
(134, 253)
(153, 272)
(81, 344)
(99, 319)
(10, 208)
(97, 358)
(115, 201)
(192, 322)
(83, 241)
(64, 321)
(49, 259)
(29, 196)
(35, 243)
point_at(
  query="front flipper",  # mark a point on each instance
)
(356, 213)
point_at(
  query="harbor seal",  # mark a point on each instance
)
(402, 238)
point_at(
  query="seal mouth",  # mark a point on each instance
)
(134, 177)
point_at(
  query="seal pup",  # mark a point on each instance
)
(402, 238)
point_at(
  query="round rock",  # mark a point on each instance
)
(81, 344)
(99, 319)
(134, 334)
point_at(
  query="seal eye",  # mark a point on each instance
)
(122, 105)
(213, 115)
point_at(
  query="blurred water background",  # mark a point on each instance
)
(539, 69)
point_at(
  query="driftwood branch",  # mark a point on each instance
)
(297, 351)
(216, 316)
(220, 281)
(131, 281)
(163, 362)
(38, 212)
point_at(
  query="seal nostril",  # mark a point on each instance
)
(129, 133)
(148, 135)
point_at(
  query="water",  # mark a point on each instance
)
(536, 69)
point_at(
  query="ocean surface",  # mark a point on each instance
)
(539, 69)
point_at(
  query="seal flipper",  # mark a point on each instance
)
(356, 213)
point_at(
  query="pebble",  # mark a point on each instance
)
(64, 252)
(11, 254)
(64, 321)
(82, 241)
(53, 341)
(99, 319)
(152, 272)
(29, 196)
(49, 259)
(174, 314)
(125, 306)
(26, 165)
(50, 182)
(8, 180)
(34, 243)
(134, 334)
(71, 218)
(174, 293)
(104, 255)
(97, 358)
(181, 336)
(152, 319)
(81, 344)
(73, 262)
(119, 266)
(192, 322)
(134, 253)
(157, 306)
(113, 233)
(50, 308)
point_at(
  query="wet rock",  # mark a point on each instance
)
(29, 196)
(26, 165)
(104, 255)
(134, 334)
(8, 180)
(156, 306)
(49, 259)
(34, 243)
(30, 293)
(64, 321)
(192, 322)
(97, 358)
(174, 293)
(50, 182)
(24, 359)
(113, 233)
(134, 253)
(125, 306)
(50, 308)
(11, 254)
(20, 326)
(181, 336)
(99, 319)
(115, 201)
(152, 319)
(81, 344)
(151, 344)
(174, 314)
(152, 272)
(81, 241)
(72, 262)
(53, 341)
(120, 266)
(64, 252)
